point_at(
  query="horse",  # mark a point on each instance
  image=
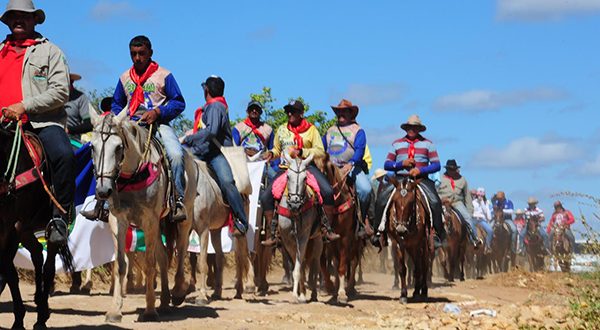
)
(410, 225)
(501, 241)
(561, 248)
(534, 245)
(26, 207)
(132, 176)
(346, 252)
(300, 228)
(211, 214)
(457, 244)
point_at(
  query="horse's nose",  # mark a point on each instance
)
(401, 229)
(103, 192)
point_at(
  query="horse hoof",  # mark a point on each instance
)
(216, 296)
(113, 317)
(20, 326)
(191, 289)
(176, 301)
(238, 296)
(403, 300)
(300, 300)
(342, 299)
(150, 317)
(250, 289)
(86, 291)
(201, 301)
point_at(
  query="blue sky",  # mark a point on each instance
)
(509, 88)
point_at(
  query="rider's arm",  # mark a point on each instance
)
(270, 140)
(276, 150)
(360, 142)
(119, 99)
(175, 104)
(56, 94)
(434, 161)
(468, 198)
(390, 161)
(570, 218)
(313, 139)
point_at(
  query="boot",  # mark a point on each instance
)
(273, 240)
(179, 214)
(329, 213)
(98, 213)
(56, 230)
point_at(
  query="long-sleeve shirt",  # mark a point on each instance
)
(425, 155)
(536, 212)
(160, 91)
(345, 144)
(561, 218)
(216, 124)
(243, 136)
(311, 140)
(482, 210)
(457, 191)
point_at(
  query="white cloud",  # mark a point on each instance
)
(591, 167)
(372, 94)
(486, 100)
(527, 152)
(537, 10)
(107, 9)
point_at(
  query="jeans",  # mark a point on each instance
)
(225, 181)
(466, 217)
(62, 163)
(488, 229)
(513, 234)
(175, 155)
(363, 189)
(436, 207)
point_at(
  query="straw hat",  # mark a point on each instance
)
(532, 200)
(415, 121)
(378, 174)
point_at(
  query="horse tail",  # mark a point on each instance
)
(171, 234)
(241, 257)
(66, 257)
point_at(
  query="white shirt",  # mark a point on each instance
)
(482, 210)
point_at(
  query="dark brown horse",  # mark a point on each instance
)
(409, 223)
(23, 211)
(500, 243)
(454, 252)
(345, 253)
(534, 245)
(477, 260)
(561, 248)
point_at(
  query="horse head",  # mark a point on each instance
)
(404, 208)
(113, 149)
(296, 183)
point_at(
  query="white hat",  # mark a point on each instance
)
(480, 191)
(378, 174)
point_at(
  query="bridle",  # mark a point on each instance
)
(301, 196)
(403, 190)
(105, 134)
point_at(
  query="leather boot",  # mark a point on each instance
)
(179, 214)
(326, 227)
(273, 240)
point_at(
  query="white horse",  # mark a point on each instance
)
(210, 215)
(299, 228)
(120, 147)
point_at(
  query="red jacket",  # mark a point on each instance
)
(566, 217)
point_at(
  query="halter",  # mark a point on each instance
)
(302, 197)
(105, 135)
(403, 191)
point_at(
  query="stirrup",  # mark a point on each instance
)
(57, 231)
(179, 214)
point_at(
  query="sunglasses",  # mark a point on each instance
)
(292, 112)
(254, 110)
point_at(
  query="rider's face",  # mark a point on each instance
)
(141, 56)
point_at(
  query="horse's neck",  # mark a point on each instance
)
(138, 146)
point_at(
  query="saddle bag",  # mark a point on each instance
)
(236, 157)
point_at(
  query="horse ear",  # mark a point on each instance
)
(95, 118)
(122, 116)
(392, 179)
(307, 160)
(287, 157)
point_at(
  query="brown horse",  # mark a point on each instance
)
(477, 260)
(561, 248)
(454, 252)
(534, 245)
(409, 223)
(345, 253)
(500, 242)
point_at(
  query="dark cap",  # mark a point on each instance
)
(451, 164)
(106, 104)
(215, 86)
(254, 104)
(294, 106)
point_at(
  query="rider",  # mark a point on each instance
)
(300, 139)
(561, 217)
(211, 130)
(521, 223)
(537, 214)
(507, 210)
(78, 111)
(482, 215)
(415, 156)
(346, 142)
(455, 188)
(152, 95)
(253, 134)
(34, 79)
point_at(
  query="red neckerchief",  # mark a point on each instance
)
(254, 129)
(17, 43)
(452, 183)
(137, 97)
(199, 111)
(411, 146)
(303, 127)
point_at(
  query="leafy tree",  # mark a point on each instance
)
(95, 96)
(181, 125)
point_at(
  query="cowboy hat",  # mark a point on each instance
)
(346, 105)
(378, 174)
(532, 200)
(451, 164)
(414, 121)
(25, 6)
(74, 77)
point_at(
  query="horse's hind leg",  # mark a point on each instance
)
(10, 275)
(215, 237)
(152, 252)
(163, 265)
(202, 298)
(181, 287)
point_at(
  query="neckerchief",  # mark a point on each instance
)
(452, 183)
(137, 97)
(17, 43)
(303, 127)
(198, 114)
(254, 129)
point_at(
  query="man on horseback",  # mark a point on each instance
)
(151, 96)
(35, 89)
(507, 210)
(455, 188)
(415, 156)
(535, 213)
(561, 217)
(346, 142)
(300, 139)
(211, 131)
(482, 215)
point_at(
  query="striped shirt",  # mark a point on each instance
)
(425, 155)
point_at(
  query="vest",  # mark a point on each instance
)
(154, 89)
(249, 140)
(340, 152)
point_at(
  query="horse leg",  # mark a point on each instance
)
(11, 277)
(193, 268)
(296, 276)
(202, 298)
(161, 258)
(181, 286)
(215, 237)
(288, 266)
(120, 268)
(326, 276)
(86, 288)
(314, 269)
(152, 233)
(396, 264)
(352, 268)
(342, 268)
(402, 272)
